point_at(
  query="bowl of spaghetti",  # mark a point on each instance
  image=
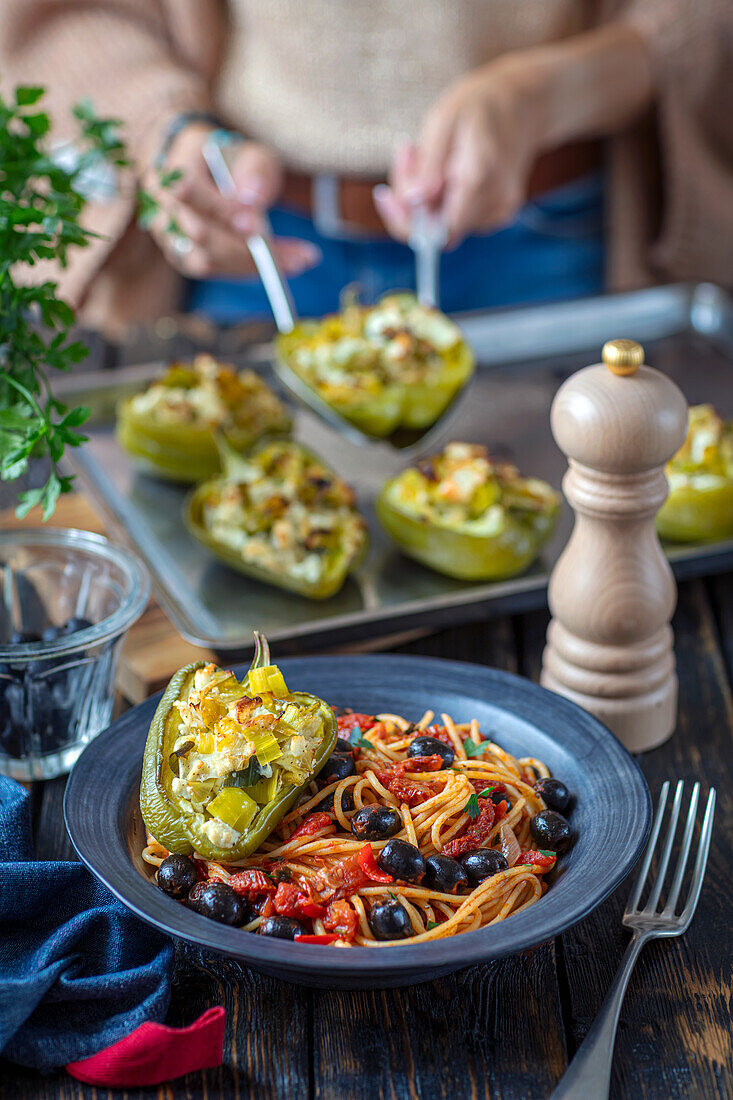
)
(482, 792)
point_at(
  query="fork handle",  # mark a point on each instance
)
(589, 1073)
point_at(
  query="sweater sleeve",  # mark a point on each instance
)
(121, 55)
(691, 45)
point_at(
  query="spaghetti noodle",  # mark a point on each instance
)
(313, 869)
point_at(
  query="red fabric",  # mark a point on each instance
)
(154, 1053)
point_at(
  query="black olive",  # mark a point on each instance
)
(554, 793)
(76, 623)
(326, 805)
(444, 874)
(343, 746)
(431, 746)
(496, 798)
(390, 921)
(402, 860)
(51, 633)
(339, 765)
(375, 823)
(218, 902)
(283, 928)
(482, 863)
(551, 830)
(177, 875)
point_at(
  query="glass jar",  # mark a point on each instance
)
(68, 598)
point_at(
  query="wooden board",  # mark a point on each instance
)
(153, 649)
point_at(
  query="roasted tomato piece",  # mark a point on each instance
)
(341, 918)
(252, 883)
(474, 834)
(290, 902)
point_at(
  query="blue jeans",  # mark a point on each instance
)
(553, 250)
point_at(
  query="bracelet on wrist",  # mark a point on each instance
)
(178, 123)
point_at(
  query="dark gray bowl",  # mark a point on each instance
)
(611, 816)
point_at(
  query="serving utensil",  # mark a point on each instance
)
(589, 1073)
(427, 240)
(276, 288)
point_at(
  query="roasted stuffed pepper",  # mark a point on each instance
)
(466, 516)
(171, 428)
(700, 476)
(280, 516)
(396, 365)
(224, 760)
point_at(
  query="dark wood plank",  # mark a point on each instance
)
(494, 1030)
(490, 1031)
(675, 1037)
(720, 593)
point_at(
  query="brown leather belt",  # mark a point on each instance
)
(356, 206)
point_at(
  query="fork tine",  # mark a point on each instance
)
(674, 892)
(646, 862)
(700, 863)
(653, 901)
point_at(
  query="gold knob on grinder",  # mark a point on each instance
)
(622, 356)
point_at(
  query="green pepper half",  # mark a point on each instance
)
(523, 515)
(309, 486)
(370, 380)
(188, 451)
(699, 507)
(171, 818)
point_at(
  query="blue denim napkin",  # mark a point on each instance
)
(77, 970)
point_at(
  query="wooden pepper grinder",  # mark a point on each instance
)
(612, 593)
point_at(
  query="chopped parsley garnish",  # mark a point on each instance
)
(471, 807)
(432, 924)
(487, 791)
(472, 749)
(358, 741)
(544, 853)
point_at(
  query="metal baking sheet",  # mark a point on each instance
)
(524, 354)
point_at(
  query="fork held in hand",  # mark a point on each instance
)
(590, 1071)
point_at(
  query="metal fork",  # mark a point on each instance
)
(589, 1073)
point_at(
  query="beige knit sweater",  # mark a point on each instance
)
(332, 84)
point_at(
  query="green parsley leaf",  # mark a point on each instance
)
(472, 749)
(356, 739)
(432, 924)
(487, 791)
(472, 808)
(167, 179)
(393, 895)
(544, 853)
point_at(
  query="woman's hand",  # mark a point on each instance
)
(214, 227)
(480, 140)
(471, 162)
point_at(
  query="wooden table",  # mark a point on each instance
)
(505, 1029)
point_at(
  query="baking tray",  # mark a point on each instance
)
(523, 354)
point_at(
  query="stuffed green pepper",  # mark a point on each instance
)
(466, 516)
(225, 760)
(396, 365)
(172, 427)
(280, 516)
(700, 476)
